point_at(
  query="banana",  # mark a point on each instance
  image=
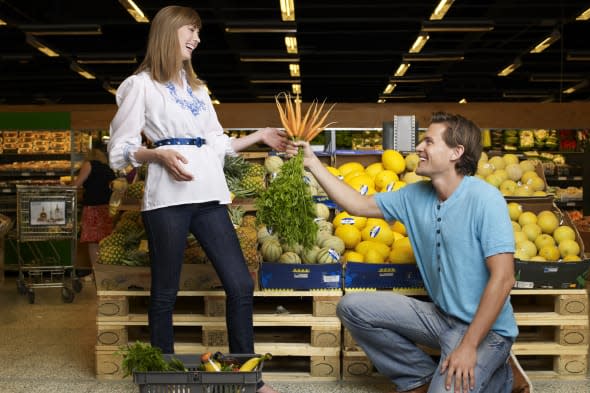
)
(252, 363)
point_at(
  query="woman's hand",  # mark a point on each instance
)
(173, 162)
(275, 138)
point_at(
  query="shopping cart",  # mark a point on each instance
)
(46, 214)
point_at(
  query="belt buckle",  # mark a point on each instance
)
(199, 142)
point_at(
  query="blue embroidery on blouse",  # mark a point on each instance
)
(195, 106)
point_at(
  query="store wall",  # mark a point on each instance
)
(486, 115)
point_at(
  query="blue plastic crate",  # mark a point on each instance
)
(382, 276)
(300, 276)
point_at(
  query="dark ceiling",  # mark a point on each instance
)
(348, 50)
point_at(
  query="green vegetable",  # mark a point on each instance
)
(287, 206)
(142, 357)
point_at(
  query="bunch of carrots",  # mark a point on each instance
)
(305, 128)
(286, 206)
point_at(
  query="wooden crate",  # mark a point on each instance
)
(308, 331)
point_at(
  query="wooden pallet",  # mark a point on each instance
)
(553, 340)
(305, 341)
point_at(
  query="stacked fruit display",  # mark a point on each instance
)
(512, 176)
(543, 236)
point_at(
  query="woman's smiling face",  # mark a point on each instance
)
(188, 37)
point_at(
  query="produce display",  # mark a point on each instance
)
(542, 236)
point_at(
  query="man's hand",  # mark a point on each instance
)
(460, 366)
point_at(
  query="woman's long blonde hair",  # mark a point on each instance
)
(163, 59)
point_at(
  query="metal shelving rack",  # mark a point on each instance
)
(45, 214)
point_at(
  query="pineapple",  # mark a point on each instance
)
(110, 254)
(247, 235)
(135, 190)
(249, 221)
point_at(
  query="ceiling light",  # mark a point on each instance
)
(107, 86)
(389, 88)
(35, 43)
(291, 44)
(463, 101)
(260, 30)
(287, 10)
(296, 88)
(417, 79)
(271, 81)
(134, 11)
(577, 87)
(402, 69)
(578, 56)
(294, 70)
(546, 43)
(2, 22)
(433, 57)
(269, 59)
(215, 101)
(457, 26)
(510, 68)
(555, 78)
(419, 43)
(584, 15)
(381, 101)
(441, 9)
(74, 29)
(81, 71)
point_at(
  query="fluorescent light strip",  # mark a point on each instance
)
(441, 9)
(40, 47)
(463, 101)
(291, 44)
(555, 78)
(269, 59)
(381, 101)
(81, 71)
(577, 87)
(419, 43)
(389, 88)
(517, 94)
(584, 15)
(510, 68)
(578, 56)
(134, 11)
(296, 88)
(287, 10)
(2, 22)
(402, 69)
(294, 70)
(546, 43)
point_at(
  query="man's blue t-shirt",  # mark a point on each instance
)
(451, 241)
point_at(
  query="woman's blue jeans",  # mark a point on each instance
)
(388, 326)
(167, 230)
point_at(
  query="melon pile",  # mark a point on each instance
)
(542, 236)
(511, 176)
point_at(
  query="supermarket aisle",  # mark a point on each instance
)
(48, 347)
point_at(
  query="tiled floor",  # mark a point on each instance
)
(48, 347)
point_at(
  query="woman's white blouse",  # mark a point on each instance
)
(162, 111)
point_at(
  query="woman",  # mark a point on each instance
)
(185, 190)
(95, 176)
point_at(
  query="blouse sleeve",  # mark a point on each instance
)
(126, 126)
(216, 138)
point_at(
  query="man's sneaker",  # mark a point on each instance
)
(521, 382)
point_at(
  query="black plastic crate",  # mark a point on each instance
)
(195, 381)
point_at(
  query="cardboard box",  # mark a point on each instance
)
(553, 275)
(300, 276)
(382, 276)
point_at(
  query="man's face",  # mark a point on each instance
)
(435, 156)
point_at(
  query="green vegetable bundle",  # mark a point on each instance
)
(142, 357)
(287, 207)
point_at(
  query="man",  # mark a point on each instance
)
(462, 238)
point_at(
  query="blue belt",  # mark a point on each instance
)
(180, 141)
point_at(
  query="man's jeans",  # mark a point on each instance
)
(388, 326)
(167, 229)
